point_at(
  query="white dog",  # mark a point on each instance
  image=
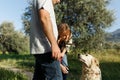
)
(90, 67)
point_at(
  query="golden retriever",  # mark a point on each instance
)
(90, 67)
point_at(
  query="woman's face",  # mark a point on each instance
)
(65, 36)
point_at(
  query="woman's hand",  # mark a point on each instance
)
(64, 69)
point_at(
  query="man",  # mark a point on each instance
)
(43, 41)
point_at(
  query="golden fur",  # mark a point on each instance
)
(90, 67)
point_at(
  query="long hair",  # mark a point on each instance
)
(64, 35)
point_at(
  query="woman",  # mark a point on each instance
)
(64, 42)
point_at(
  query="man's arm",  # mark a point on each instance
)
(48, 30)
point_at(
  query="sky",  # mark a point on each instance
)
(114, 5)
(12, 10)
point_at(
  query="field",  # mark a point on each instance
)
(109, 65)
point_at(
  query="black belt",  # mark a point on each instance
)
(44, 57)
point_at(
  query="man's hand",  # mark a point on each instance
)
(56, 53)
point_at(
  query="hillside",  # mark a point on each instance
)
(114, 36)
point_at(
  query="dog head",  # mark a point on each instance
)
(88, 60)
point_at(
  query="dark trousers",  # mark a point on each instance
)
(64, 76)
(46, 68)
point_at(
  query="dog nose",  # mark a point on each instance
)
(78, 55)
(86, 54)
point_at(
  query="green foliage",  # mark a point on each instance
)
(87, 19)
(112, 45)
(26, 17)
(11, 40)
(117, 47)
(10, 75)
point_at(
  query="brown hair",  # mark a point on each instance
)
(63, 32)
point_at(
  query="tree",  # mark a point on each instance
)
(117, 46)
(6, 29)
(26, 17)
(11, 40)
(87, 19)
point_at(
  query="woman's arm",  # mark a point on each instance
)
(64, 69)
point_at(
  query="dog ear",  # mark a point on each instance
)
(94, 61)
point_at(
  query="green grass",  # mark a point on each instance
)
(10, 75)
(19, 61)
(109, 64)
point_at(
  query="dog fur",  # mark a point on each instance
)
(90, 67)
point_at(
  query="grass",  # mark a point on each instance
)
(9, 61)
(10, 75)
(109, 64)
(19, 61)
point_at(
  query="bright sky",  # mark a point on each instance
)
(114, 5)
(12, 10)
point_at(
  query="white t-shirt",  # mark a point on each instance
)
(39, 43)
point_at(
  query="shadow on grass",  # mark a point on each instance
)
(27, 65)
(74, 67)
(10, 75)
(110, 70)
